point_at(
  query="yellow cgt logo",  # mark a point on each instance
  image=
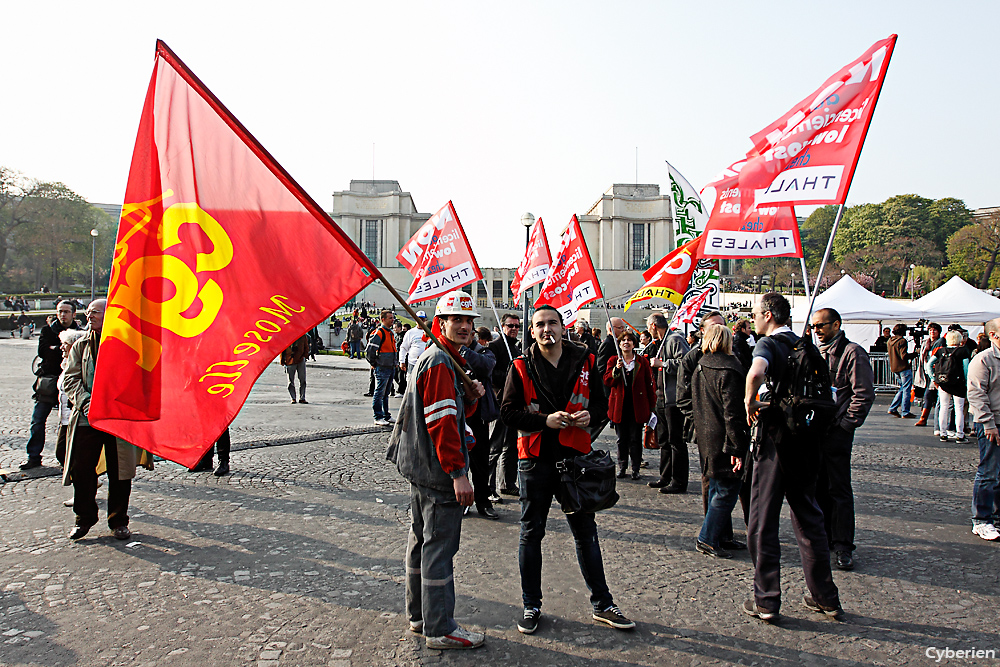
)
(190, 284)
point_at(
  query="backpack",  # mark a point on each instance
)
(802, 394)
(949, 372)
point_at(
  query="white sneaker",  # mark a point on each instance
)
(987, 531)
(459, 638)
(937, 432)
(381, 422)
(391, 419)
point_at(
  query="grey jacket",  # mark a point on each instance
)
(852, 377)
(984, 387)
(411, 447)
(670, 353)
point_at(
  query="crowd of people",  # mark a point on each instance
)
(488, 414)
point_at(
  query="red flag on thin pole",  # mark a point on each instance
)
(221, 261)
(808, 155)
(572, 281)
(439, 257)
(534, 265)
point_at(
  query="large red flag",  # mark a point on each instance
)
(770, 231)
(535, 264)
(221, 261)
(572, 281)
(439, 257)
(669, 278)
(808, 155)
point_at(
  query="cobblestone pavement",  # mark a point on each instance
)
(296, 559)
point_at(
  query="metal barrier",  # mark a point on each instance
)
(885, 379)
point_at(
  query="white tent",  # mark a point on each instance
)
(958, 302)
(860, 310)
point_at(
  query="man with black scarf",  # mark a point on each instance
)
(547, 398)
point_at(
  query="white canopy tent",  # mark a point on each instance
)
(860, 310)
(958, 302)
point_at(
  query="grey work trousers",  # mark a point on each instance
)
(435, 532)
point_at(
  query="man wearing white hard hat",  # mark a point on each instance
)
(430, 447)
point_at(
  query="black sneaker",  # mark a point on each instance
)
(751, 609)
(529, 623)
(836, 612)
(31, 463)
(613, 616)
(709, 550)
(843, 560)
(733, 545)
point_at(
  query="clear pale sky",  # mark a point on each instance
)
(504, 107)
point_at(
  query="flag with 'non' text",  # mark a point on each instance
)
(439, 257)
(572, 281)
(534, 265)
(221, 262)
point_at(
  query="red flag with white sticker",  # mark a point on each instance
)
(808, 155)
(439, 257)
(535, 264)
(769, 231)
(688, 311)
(572, 281)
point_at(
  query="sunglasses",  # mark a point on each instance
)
(512, 326)
(820, 325)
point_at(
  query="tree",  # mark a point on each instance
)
(973, 251)
(814, 233)
(863, 226)
(15, 192)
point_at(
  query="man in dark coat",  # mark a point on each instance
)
(50, 354)
(669, 420)
(854, 382)
(503, 441)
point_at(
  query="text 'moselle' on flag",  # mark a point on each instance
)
(808, 155)
(669, 278)
(439, 257)
(221, 261)
(572, 281)
(534, 265)
(771, 230)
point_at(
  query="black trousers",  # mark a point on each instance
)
(86, 452)
(833, 489)
(222, 446)
(673, 449)
(503, 458)
(770, 487)
(479, 462)
(629, 443)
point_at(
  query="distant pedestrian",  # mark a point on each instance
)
(383, 356)
(984, 402)
(931, 343)
(899, 364)
(630, 401)
(950, 365)
(293, 358)
(355, 336)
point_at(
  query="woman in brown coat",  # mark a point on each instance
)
(633, 393)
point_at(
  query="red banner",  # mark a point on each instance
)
(439, 257)
(769, 231)
(221, 262)
(808, 155)
(669, 278)
(572, 281)
(535, 264)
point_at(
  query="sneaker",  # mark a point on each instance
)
(391, 419)
(613, 616)
(893, 413)
(709, 550)
(459, 638)
(380, 421)
(937, 432)
(751, 609)
(495, 499)
(529, 623)
(961, 439)
(987, 531)
(417, 627)
(836, 612)
(944, 437)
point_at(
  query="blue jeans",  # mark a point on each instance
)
(355, 349)
(902, 397)
(539, 480)
(986, 488)
(36, 441)
(380, 399)
(722, 496)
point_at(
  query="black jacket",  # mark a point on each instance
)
(482, 362)
(499, 350)
(717, 389)
(48, 348)
(605, 351)
(742, 350)
(684, 402)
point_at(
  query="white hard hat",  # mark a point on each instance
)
(456, 303)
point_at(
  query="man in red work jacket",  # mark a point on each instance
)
(550, 393)
(430, 447)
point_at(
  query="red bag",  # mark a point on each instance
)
(344, 347)
(649, 438)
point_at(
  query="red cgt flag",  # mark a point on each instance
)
(221, 261)
(808, 155)
(572, 281)
(535, 264)
(439, 257)
(770, 230)
(669, 278)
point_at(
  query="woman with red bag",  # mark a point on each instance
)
(632, 393)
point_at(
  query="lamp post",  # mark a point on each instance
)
(791, 283)
(93, 258)
(527, 220)
(913, 279)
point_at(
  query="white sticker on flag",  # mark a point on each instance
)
(803, 184)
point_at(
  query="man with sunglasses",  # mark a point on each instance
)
(503, 441)
(853, 384)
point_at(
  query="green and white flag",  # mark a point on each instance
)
(690, 218)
